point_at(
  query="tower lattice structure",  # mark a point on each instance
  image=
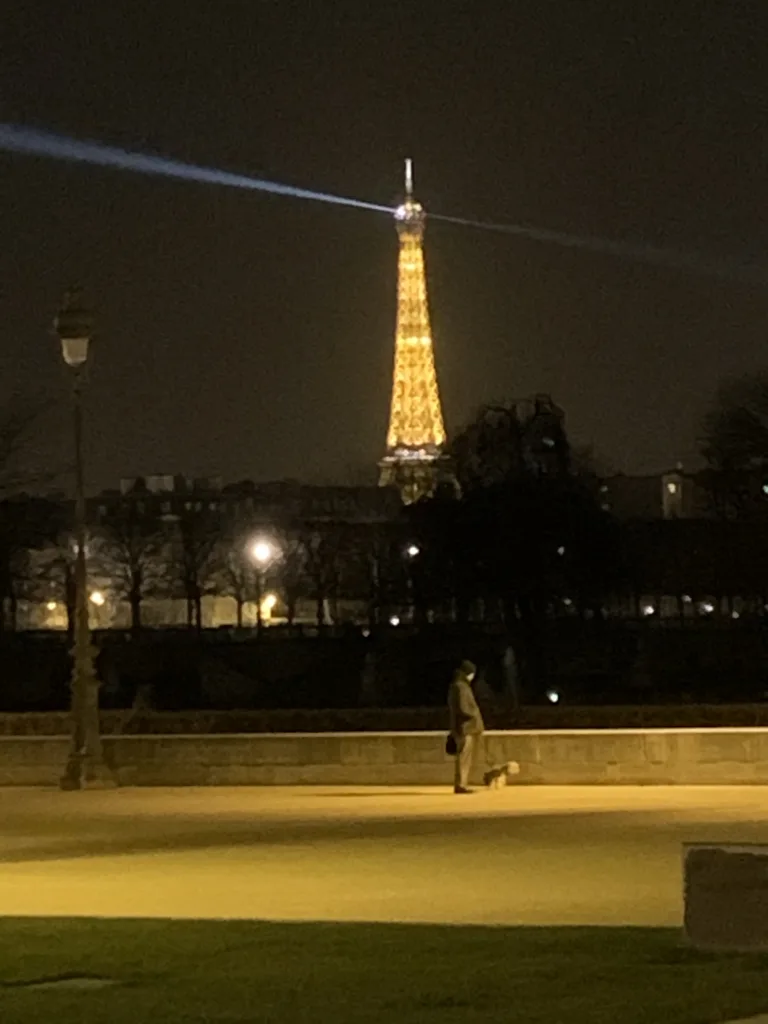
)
(415, 460)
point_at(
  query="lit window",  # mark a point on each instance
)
(672, 487)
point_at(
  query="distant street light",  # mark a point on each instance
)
(85, 763)
(412, 550)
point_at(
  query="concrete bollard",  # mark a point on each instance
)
(726, 895)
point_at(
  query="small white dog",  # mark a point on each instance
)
(500, 775)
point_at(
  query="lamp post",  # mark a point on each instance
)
(85, 763)
(411, 553)
(262, 553)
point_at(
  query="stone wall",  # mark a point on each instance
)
(587, 757)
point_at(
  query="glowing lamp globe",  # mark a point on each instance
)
(261, 550)
(74, 326)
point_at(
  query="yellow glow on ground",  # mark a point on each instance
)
(522, 855)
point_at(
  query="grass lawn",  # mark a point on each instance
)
(209, 972)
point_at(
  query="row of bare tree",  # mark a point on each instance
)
(135, 556)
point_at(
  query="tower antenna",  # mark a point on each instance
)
(408, 177)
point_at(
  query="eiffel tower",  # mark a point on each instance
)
(415, 460)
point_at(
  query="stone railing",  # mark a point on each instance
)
(556, 757)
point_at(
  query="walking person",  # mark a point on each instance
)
(466, 724)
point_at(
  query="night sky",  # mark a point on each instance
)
(251, 336)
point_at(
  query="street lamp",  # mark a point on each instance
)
(261, 550)
(263, 553)
(411, 552)
(85, 763)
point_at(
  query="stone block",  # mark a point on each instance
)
(419, 749)
(272, 750)
(563, 748)
(368, 750)
(238, 751)
(617, 748)
(717, 747)
(659, 746)
(579, 758)
(522, 747)
(726, 895)
(31, 760)
(320, 749)
(760, 745)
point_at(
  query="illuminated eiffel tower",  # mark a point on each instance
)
(415, 460)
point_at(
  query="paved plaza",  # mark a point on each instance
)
(527, 855)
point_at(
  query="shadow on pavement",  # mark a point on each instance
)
(496, 833)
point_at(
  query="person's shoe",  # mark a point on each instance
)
(462, 789)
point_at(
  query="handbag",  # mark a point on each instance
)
(450, 745)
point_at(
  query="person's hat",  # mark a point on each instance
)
(468, 668)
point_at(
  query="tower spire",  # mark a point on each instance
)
(408, 178)
(414, 461)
